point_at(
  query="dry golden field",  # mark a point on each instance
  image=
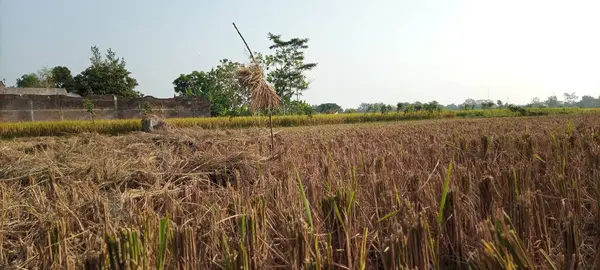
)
(509, 193)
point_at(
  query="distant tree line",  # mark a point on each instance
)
(285, 69)
(106, 75)
(570, 100)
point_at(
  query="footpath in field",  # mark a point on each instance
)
(506, 193)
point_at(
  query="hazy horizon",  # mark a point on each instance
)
(378, 51)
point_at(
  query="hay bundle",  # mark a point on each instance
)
(151, 122)
(262, 94)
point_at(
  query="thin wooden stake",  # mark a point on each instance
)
(244, 40)
(269, 108)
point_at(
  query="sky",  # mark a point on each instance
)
(367, 51)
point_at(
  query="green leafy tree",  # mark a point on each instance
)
(40, 79)
(385, 109)
(588, 102)
(552, 101)
(201, 84)
(287, 67)
(536, 103)
(452, 107)
(417, 106)
(371, 107)
(570, 99)
(300, 107)
(469, 104)
(401, 106)
(432, 107)
(363, 107)
(30, 80)
(487, 104)
(197, 83)
(62, 78)
(106, 76)
(225, 79)
(57, 77)
(219, 86)
(329, 108)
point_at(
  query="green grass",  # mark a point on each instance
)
(122, 126)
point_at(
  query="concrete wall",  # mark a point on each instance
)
(32, 91)
(22, 108)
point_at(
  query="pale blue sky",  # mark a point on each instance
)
(368, 51)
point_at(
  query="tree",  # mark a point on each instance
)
(224, 76)
(401, 106)
(432, 107)
(370, 107)
(287, 66)
(552, 101)
(385, 109)
(300, 108)
(329, 108)
(588, 102)
(30, 80)
(417, 106)
(487, 104)
(57, 77)
(40, 79)
(201, 84)
(197, 83)
(62, 78)
(363, 107)
(106, 76)
(535, 102)
(219, 86)
(499, 103)
(570, 99)
(469, 104)
(45, 77)
(452, 107)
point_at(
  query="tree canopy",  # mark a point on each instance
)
(57, 77)
(217, 85)
(286, 66)
(329, 108)
(105, 76)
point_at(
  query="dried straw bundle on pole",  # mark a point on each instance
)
(262, 96)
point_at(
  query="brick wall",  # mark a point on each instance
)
(22, 108)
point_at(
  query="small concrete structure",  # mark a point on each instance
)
(35, 91)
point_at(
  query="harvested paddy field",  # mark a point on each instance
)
(509, 193)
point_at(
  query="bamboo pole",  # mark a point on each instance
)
(269, 107)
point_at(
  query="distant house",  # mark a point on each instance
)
(36, 91)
